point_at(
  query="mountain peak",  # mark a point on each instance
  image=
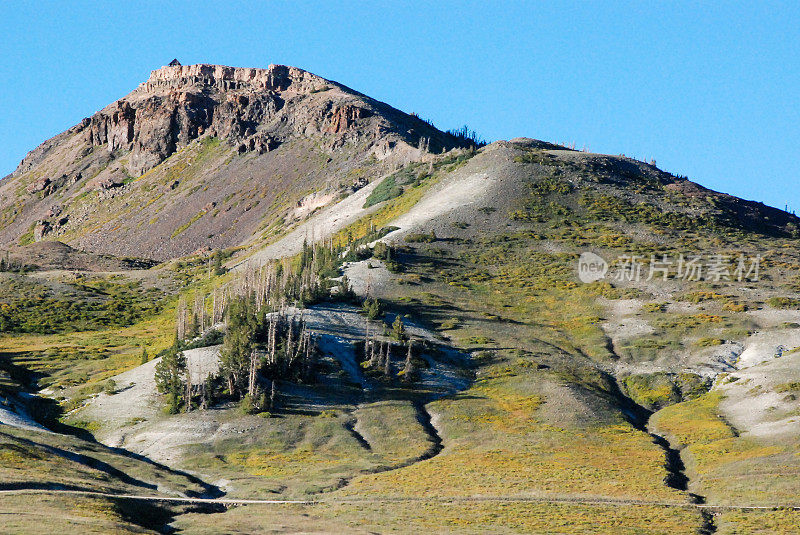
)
(227, 131)
(222, 77)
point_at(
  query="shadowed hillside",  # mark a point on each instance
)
(206, 155)
(359, 322)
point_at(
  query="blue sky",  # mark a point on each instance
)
(709, 91)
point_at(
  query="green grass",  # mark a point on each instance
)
(27, 237)
(78, 514)
(392, 430)
(695, 421)
(725, 467)
(784, 302)
(386, 190)
(469, 517)
(497, 443)
(788, 387)
(420, 237)
(676, 332)
(514, 517)
(766, 522)
(652, 391)
(95, 303)
(71, 358)
(658, 390)
(300, 456)
(30, 457)
(183, 228)
(709, 342)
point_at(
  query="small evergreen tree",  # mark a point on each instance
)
(399, 330)
(345, 290)
(218, 269)
(193, 329)
(110, 387)
(381, 251)
(372, 308)
(238, 345)
(169, 375)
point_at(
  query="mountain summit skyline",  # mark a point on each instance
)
(175, 165)
(274, 299)
(231, 133)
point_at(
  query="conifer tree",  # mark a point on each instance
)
(169, 376)
(399, 330)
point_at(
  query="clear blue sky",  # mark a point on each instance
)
(711, 92)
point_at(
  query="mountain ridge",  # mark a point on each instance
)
(211, 156)
(447, 346)
(115, 124)
(280, 130)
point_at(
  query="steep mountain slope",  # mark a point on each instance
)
(526, 183)
(205, 155)
(542, 403)
(488, 254)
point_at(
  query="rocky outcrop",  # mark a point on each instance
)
(115, 127)
(253, 109)
(273, 78)
(178, 104)
(47, 186)
(39, 185)
(344, 117)
(241, 142)
(40, 230)
(259, 143)
(45, 227)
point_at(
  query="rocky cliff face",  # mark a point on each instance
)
(256, 109)
(270, 120)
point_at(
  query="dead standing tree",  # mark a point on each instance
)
(199, 312)
(408, 368)
(181, 319)
(387, 360)
(251, 381)
(188, 393)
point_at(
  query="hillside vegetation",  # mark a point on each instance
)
(386, 331)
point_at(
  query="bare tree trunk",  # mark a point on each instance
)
(289, 343)
(375, 356)
(308, 363)
(251, 383)
(366, 341)
(181, 319)
(214, 307)
(199, 311)
(408, 369)
(271, 338)
(188, 393)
